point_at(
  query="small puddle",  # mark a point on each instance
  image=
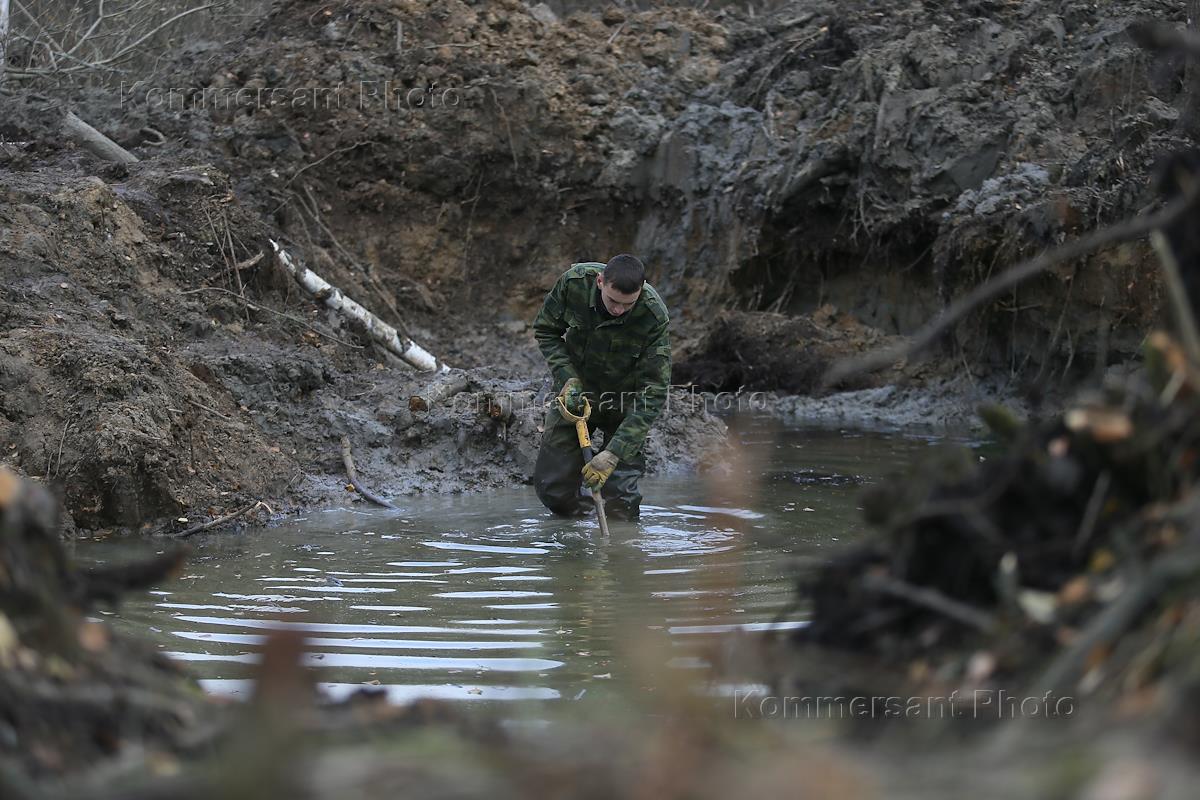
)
(488, 597)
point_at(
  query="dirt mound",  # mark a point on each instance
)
(97, 396)
(460, 153)
(758, 351)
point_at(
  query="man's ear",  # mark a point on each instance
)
(600, 279)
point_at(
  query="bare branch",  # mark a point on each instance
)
(111, 38)
(1176, 290)
(192, 531)
(41, 28)
(88, 34)
(259, 307)
(330, 154)
(932, 600)
(129, 48)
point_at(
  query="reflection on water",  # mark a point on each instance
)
(488, 597)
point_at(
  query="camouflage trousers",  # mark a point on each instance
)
(557, 476)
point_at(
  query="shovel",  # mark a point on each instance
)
(585, 444)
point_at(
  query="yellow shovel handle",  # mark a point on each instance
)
(580, 420)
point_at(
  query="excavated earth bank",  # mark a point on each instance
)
(804, 184)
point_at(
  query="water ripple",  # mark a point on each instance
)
(540, 607)
(371, 661)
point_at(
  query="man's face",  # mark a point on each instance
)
(616, 302)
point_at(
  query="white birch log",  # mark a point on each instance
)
(3, 38)
(94, 141)
(406, 349)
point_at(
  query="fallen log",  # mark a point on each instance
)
(95, 142)
(404, 348)
(352, 474)
(192, 531)
(441, 389)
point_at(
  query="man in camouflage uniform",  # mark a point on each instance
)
(603, 331)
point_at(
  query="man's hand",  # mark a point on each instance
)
(596, 471)
(572, 395)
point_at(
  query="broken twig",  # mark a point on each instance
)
(352, 474)
(259, 307)
(207, 408)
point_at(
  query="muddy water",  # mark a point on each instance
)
(488, 597)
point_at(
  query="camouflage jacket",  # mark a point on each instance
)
(624, 362)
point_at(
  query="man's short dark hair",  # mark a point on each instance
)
(625, 273)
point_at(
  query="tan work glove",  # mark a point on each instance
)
(572, 395)
(596, 471)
